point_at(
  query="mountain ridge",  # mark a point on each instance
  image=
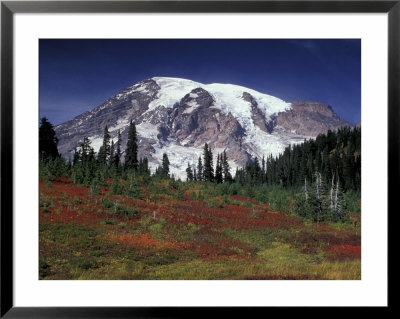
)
(177, 116)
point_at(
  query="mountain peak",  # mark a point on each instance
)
(177, 116)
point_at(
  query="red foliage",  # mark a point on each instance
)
(71, 203)
(144, 240)
(345, 251)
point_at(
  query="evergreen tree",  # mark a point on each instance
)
(104, 151)
(77, 156)
(112, 153)
(255, 171)
(304, 207)
(263, 170)
(143, 167)
(189, 173)
(84, 166)
(47, 140)
(200, 170)
(86, 152)
(208, 171)
(116, 188)
(336, 203)
(226, 168)
(335, 152)
(348, 168)
(165, 166)
(319, 197)
(131, 153)
(117, 152)
(218, 170)
(133, 187)
(331, 194)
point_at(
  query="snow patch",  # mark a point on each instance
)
(228, 98)
(192, 106)
(147, 130)
(178, 155)
(261, 144)
(96, 142)
(121, 124)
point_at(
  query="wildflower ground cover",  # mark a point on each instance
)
(185, 231)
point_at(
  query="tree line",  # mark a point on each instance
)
(205, 172)
(335, 156)
(319, 170)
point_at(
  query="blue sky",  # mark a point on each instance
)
(78, 75)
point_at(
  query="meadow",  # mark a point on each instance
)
(187, 230)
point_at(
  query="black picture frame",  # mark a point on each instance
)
(9, 8)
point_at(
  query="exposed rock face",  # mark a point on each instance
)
(309, 118)
(195, 122)
(128, 104)
(257, 116)
(178, 117)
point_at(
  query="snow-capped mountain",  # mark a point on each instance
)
(177, 116)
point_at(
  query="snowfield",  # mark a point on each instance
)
(227, 97)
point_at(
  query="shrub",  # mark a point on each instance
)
(76, 200)
(173, 184)
(109, 221)
(179, 194)
(43, 268)
(262, 194)
(352, 201)
(221, 189)
(46, 203)
(95, 188)
(116, 188)
(234, 189)
(133, 189)
(118, 209)
(213, 202)
(107, 203)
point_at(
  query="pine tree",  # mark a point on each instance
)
(208, 171)
(116, 188)
(47, 140)
(200, 170)
(263, 170)
(189, 173)
(84, 164)
(131, 153)
(112, 152)
(339, 203)
(256, 171)
(218, 170)
(336, 208)
(194, 175)
(104, 151)
(117, 153)
(165, 166)
(86, 151)
(133, 187)
(348, 167)
(331, 194)
(226, 168)
(77, 156)
(319, 199)
(143, 167)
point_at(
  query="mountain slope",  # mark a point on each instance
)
(177, 116)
